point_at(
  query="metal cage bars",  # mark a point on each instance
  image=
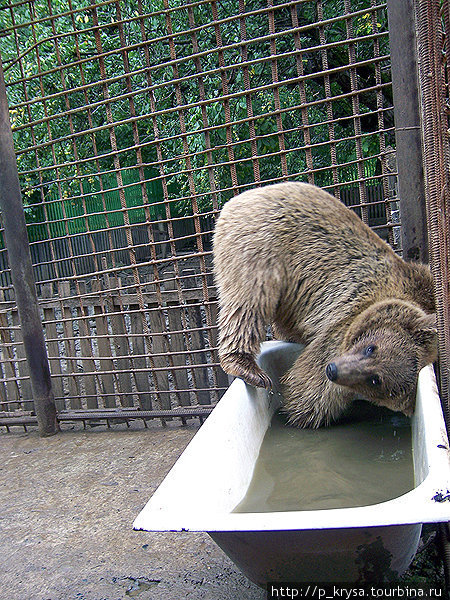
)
(434, 29)
(132, 128)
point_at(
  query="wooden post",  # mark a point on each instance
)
(402, 40)
(22, 274)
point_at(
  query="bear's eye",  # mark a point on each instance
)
(374, 381)
(369, 350)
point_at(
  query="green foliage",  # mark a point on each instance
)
(196, 132)
(102, 208)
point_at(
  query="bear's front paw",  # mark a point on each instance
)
(245, 367)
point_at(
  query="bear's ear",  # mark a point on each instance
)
(425, 335)
(428, 323)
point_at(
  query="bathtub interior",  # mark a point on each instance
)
(213, 473)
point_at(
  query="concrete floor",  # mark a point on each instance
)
(67, 507)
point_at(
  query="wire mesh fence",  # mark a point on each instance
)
(434, 31)
(134, 123)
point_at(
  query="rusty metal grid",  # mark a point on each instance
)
(434, 31)
(133, 124)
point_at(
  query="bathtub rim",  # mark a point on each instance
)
(414, 507)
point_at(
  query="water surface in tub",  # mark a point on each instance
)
(353, 463)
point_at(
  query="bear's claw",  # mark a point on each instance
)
(258, 380)
(244, 366)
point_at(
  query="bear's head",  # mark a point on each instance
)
(384, 349)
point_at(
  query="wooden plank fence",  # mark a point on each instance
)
(117, 344)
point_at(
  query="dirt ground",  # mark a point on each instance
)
(67, 507)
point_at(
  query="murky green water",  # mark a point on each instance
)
(354, 463)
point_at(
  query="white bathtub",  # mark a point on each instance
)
(372, 543)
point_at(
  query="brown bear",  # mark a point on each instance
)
(292, 255)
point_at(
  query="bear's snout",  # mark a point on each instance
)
(350, 370)
(331, 372)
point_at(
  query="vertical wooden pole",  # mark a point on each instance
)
(22, 274)
(402, 40)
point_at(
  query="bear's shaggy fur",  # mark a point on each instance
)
(293, 255)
